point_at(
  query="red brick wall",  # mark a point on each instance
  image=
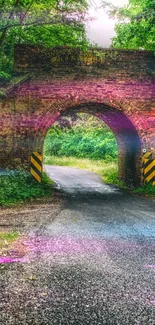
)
(117, 86)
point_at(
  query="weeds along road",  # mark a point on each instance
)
(86, 259)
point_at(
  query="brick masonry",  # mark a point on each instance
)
(117, 86)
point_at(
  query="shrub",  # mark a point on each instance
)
(93, 142)
(19, 186)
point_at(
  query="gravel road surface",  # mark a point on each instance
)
(85, 259)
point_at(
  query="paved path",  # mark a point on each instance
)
(77, 181)
(87, 261)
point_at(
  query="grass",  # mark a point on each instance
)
(107, 170)
(6, 240)
(8, 236)
(147, 189)
(20, 186)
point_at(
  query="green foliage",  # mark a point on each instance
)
(18, 186)
(55, 35)
(4, 75)
(2, 94)
(136, 27)
(9, 236)
(4, 78)
(49, 23)
(113, 178)
(7, 239)
(82, 138)
(147, 189)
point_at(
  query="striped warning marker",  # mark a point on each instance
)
(147, 155)
(36, 166)
(149, 171)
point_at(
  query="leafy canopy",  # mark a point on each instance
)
(43, 22)
(136, 27)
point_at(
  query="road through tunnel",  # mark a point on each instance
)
(128, 142)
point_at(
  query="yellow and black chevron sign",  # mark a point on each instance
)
(147, 155)
(36, 166)
(149, 170)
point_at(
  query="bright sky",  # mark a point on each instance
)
(101, 30)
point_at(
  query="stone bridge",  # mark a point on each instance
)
(117, 86)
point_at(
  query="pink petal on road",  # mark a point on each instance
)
(4, 260)
(151, 266)
(152, 302)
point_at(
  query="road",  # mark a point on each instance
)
(89, 260)
(77, 181)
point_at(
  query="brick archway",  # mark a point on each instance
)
(117, 86)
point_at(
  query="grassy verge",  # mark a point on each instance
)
(18, 187)
(6, 241)
(107, 170)
(147, 190)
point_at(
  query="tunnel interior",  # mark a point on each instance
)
(128, 142)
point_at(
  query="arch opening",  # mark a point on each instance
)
(128, 141)
(80, 141)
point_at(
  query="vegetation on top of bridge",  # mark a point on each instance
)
(32, 57)
(54, 23)
(47, 22)
(43, 22)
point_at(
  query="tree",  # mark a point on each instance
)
(136, 27)
(46, 22)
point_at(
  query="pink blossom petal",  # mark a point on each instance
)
(4, 260)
